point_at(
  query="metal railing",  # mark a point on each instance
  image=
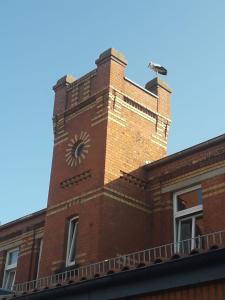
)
(126, 262)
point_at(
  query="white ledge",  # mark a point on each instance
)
(142, 88)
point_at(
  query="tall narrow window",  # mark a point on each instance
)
(39, 257)
(71, 242)
(188, 218)
(10, 269)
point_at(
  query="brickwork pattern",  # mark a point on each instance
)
(123, 136)
(122, 205)
(25, 235)
(211, 291)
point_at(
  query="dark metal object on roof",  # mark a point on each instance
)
(158, 68)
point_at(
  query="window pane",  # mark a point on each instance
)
(71, 244)
(39, 257)
(186, 229)
(185, 235)
(189, 199)
(9, 280)
(72, 249)
(13, 256)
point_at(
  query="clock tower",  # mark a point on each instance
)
(105, 128)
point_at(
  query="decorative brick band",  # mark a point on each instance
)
(125, 199)
(133, 179)
(75, 179)
(103, 191)
(11, 244)
(58, 125)
(81, 88)
(140, 107)
(214, 190)
(218, 157)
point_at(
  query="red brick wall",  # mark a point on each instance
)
(23, 234)
(94, 160)
(212, 291)
(181, 169)
(187, 163)
(214, 203)
(120, 140)
(54, 247)
(121, 205)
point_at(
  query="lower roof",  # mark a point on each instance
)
(24, 218)
(193, 270)
(191, 150)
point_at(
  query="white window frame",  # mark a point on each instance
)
(71, 241)
(193, 223)
(185, 214)
(9, 268)
(39, 257)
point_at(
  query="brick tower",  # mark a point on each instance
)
(105, 128)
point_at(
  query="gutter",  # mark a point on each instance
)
(186, 152)
(171, 274)
(25, 218)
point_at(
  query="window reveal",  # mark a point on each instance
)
(188, 220)
(10, 269)
(71, 241)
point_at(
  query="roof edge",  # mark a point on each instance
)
(185, 152)
(210, 264)
(24, 218)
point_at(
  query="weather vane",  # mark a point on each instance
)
(158, 69)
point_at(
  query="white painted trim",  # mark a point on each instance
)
(189, 189)
(189, 212)
(193, 222)
(9, 268)
(142, 88)
(69, 262)
(39, 258)
(12, 266)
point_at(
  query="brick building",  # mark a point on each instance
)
(122, 219)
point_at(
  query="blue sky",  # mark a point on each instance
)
(42, 40)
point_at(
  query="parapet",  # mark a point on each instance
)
(111, 53)
(153, 84)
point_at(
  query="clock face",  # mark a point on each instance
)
(77, 149)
